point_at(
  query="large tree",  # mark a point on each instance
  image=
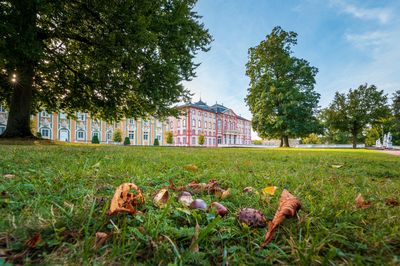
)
(281, 95)
(109, 58)
(353, 111)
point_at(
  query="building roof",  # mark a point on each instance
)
(216, 108)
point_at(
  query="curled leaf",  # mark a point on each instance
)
(33, 241)
(251, 217)
(194, 246)
(8, 176)
(288, 206)
(361, 203)
(185, 198)
(269, 190)
(161, 197)
(126, 197)
(392, 202)
(248, 190)
(101, 237)
(191, 167)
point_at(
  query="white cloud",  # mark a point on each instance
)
(382, 15)
(368, 40)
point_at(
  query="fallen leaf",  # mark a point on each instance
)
(161, 197)
(251, 217)
(392, 202)
(33, 241)
(248, 190)
(361, 203)
(185, 198)
(336, 165)
(8, 176)
(269, 190)
(198, 204)
(226, 193)
(194, 247)
(124, 200)
(101, 237)
(288, 206)
(191, 167)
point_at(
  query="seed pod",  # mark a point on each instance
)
(221, 209)
(252, 217)
(185, 198)
(161, 197)
(199, 204)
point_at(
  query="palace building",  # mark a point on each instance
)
(219, 125)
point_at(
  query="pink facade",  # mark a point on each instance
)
(219, 125)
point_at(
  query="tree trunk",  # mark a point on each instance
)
(22, 69)
(354, 138)
(285, 141)
(19, 123)
(281, 143)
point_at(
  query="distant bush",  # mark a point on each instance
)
(38, 134)
(201, 139)
(156, 142)
(372, 135)
(169, 137)
(95, 139)
(311, 139)
(127, 141)
(117, 136)
(257, 142)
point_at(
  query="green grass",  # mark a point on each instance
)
(63, 193)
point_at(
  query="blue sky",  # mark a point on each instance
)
(350, 42)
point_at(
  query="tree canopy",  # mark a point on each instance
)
(109, 58)
(353, 111)
(281, 95)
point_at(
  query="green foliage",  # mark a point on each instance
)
(311, 139)
(117, 136)
(281, 95)
(68, 211)
(95, 139)
(156, 142)
(201, 139)
(169, 137)
(257, 142)
(395, 125)
(353, 111)
(371, 135)
(127, 141)
(124, 58)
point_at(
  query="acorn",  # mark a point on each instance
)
(221, 209)
(185, 198)
(252, 217)
(198, 204)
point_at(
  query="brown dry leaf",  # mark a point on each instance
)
(392, 202)
(101, 237)
(194, 247)
(191, 167)
(288, 206)
(361, 203)
(8, 175)
(226, 193)
(124, 200)
(161, 197)
(269, 190)
(33, 241)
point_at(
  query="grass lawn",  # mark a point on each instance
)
(63, 193)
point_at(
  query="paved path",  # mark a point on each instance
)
(393, 152)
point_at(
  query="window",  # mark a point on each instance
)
(193, 132)
(198, 113)
(213, 141)
(179, 141)
(205, 124)
(80, 116)
(179, 131)
(184, 132)
(131, 135)
(199, 123)
(184, 140)
(219, 123)
(219, 140)
(2, 110)
(80, 135)
(193, 112)
(193, 141)
(159, 137)
(199, 132)
(193, 122)
(45, 114)
(2, 129)
(146, 135)
(226, 125)
(45, 133)
(95, 134)
(205, 141)
(109, 135)
(171, 124)
(63, 116)
(131, 121)
(179, 123)
(184, 123)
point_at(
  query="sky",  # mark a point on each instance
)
(350, 42)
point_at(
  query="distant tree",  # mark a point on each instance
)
(95, 139)
(169, 137)
(127, 141)
(353, 111)
(311, 139)
(395, 127)
(124, 58)
(156, 142)
(117, 136)
(257, 142)
(371, 135)
(201, 139)
(281, 95)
